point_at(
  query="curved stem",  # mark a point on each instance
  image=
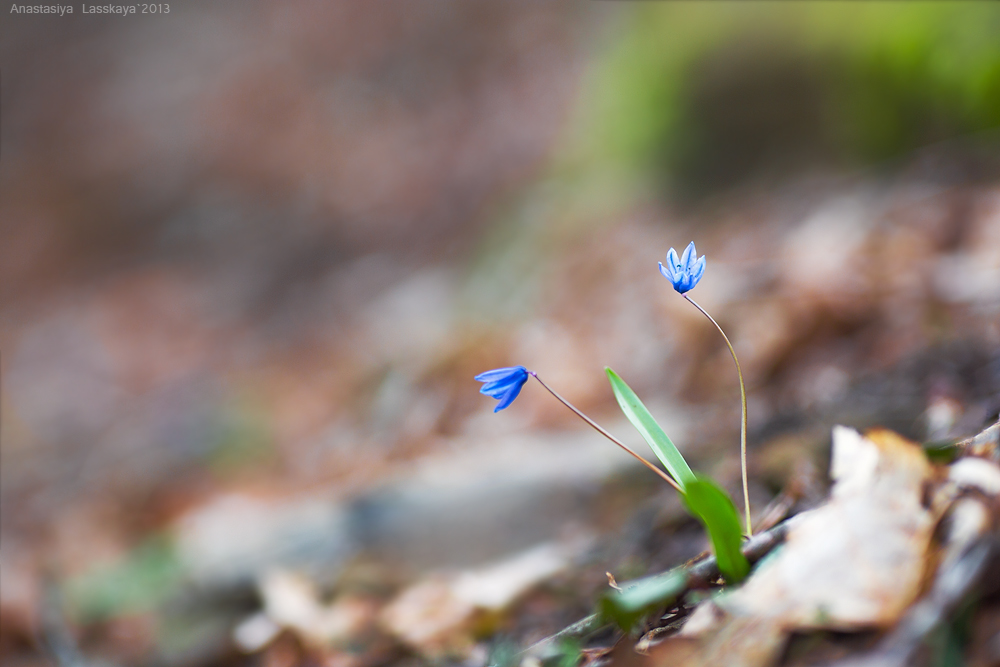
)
(667, 478)
(743, 423)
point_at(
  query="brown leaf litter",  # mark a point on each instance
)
(898, 545)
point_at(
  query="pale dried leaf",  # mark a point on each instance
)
(255, 633)
(429, 618)
(972, 472)
(856, 562)
(292, 601)
(435, 615)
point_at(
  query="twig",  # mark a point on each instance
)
(578, 630)
(985, 444)
(698, 572)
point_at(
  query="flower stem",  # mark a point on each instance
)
(667, 478)
(743, 423)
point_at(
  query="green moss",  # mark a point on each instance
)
(710, 92)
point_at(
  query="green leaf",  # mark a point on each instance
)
(714, 508)
(661, 445)
(942, 451)
(640, 598)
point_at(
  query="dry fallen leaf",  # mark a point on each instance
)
(436, 615)
(430, 618)
(292, 601)
(856, 562)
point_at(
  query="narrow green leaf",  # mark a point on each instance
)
(714, 508)
(640, 598)
(661, 445)
(941, 452)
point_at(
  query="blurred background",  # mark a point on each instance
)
(254, 253)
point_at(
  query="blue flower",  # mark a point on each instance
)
(683, 273)
(504, 384)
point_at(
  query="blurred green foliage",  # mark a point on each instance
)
(147, 577)
(702, 95)
(567, 654)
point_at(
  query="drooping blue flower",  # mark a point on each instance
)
(683, 273)
(503, 384)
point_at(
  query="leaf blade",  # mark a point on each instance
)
(651, 432)
(716, 511)
(640, 598)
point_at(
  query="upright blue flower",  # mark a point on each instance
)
(683, 273)
(503, 384)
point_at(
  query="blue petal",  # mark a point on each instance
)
(503, 384)
(504, 381)
(688, 258)
(697, 272)
(683, 284)
(508, 398)
(667, 273)
(498, 373)
(499, 387)
(673, 262)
